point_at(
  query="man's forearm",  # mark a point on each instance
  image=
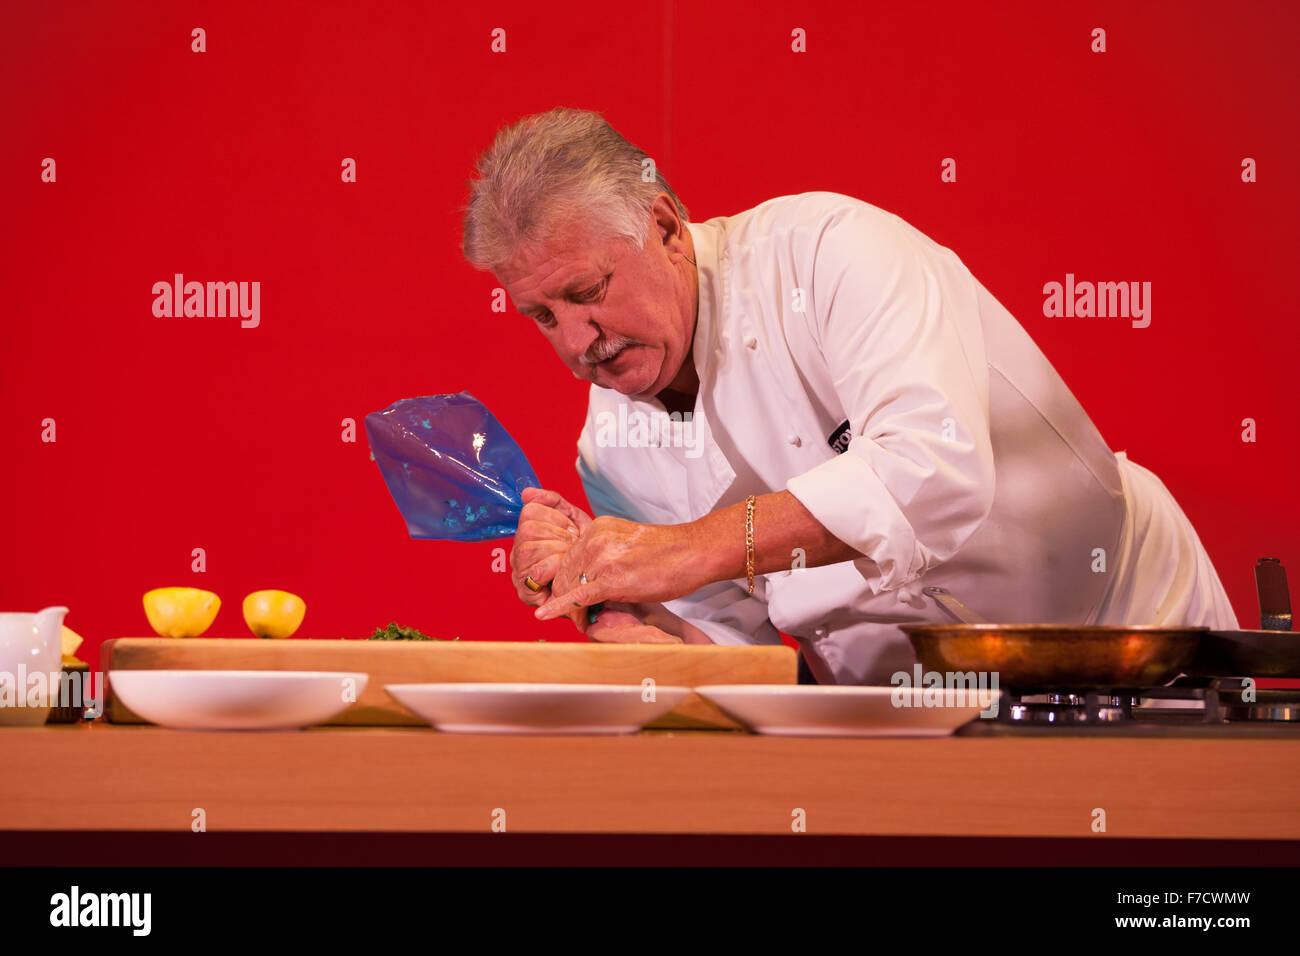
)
(717, 552)
(782, 528)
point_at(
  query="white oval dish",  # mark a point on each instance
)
(237, 700)
(536, 708)
(807, 710)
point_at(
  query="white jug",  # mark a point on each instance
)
(30, 644)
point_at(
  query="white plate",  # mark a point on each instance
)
(537, 708)
(806, 710)
(237, 700)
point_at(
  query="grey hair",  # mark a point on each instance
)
(553, 169)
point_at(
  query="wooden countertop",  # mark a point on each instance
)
(99, 776)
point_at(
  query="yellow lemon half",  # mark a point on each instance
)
(273, 613)
(71, 641)
(180, 612)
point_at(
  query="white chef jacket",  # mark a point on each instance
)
(969, 464)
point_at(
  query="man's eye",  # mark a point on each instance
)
(596, 293)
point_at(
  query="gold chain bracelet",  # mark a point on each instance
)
(749, 541)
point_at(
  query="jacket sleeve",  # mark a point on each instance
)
(724, 610)
(896, 317)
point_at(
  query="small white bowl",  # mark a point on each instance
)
(237, 700)
(537, 708)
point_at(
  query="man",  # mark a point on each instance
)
(845, 415)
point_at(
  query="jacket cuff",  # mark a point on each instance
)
(721, 633)
(849, 500)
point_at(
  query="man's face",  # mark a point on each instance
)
(618, 317)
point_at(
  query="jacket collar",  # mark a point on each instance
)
(708, 251)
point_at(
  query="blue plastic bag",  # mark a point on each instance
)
(453, 471)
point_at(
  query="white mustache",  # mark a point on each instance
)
(606, 349)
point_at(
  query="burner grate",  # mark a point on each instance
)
(1211, 702)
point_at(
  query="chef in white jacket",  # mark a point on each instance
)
(799, 416)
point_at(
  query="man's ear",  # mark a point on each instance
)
(669, 224)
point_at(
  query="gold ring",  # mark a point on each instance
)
(532, 585)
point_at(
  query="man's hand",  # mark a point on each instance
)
(548, 529)
(548, 526)
(618, 625)
(623, 561)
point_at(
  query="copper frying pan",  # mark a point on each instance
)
(1053, 656)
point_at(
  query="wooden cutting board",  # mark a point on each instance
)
(413, 662)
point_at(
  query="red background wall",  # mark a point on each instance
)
(181, 433)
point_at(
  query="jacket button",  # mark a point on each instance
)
(751, 343)
(795, 440)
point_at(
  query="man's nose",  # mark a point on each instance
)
(577, 332)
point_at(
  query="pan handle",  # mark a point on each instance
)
(1274, 598)
(948, 602)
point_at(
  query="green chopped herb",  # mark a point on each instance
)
(395, 632)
